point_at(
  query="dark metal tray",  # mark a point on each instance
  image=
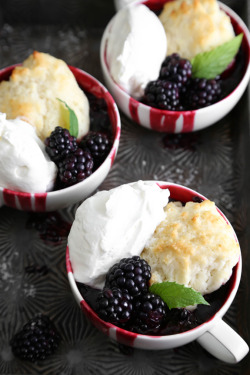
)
(33, 278)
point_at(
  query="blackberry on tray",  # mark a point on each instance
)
(60, 144)
(75, 167)
(37, 340)
(132, 274)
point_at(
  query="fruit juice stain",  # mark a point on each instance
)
(50, 226)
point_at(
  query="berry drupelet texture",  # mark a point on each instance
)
(60, 144)
(114, 305)
(64, 149)
(176, 69)
(132, 274)
(75, 167)
(162, 94)
(98, 144)
(202, 92)
(37, 340)
(176, 90)
(149, 314)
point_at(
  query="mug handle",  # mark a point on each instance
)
(224, 343)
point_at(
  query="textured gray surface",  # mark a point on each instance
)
(213, 161)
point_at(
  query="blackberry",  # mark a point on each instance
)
(37, 339)
(197, 199)
(202, 92)
(75, 167)
(176, 69)
(179, 320)
(162, 94)
(98, 144)
(60, 144)
(99, 117)
(149, 314)
(132, 274)
(114, 305)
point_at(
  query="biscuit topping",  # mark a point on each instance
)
(193, 246)
(195, 26)
(32, 91)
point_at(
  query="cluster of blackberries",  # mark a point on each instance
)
(36, 340)
(176, 90)
(75, 161)
(126, 301)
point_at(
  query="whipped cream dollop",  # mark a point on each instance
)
(136, 48)
(112, 225)
(24, 163)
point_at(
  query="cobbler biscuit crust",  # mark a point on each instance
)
(193, 246)
(32, 91)
(195, 26)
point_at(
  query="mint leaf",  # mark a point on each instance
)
(210, 64)
(177, 295)
(73, 122)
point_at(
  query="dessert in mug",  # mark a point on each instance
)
(53, 134)
(170, 278)
(182, 64)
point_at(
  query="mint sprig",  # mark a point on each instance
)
(212, 63)
(73, 121)
(177, 295)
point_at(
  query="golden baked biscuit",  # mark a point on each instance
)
(32, 91)
(193, 246)
(194, 26)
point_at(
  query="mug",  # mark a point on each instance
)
(216, 336)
